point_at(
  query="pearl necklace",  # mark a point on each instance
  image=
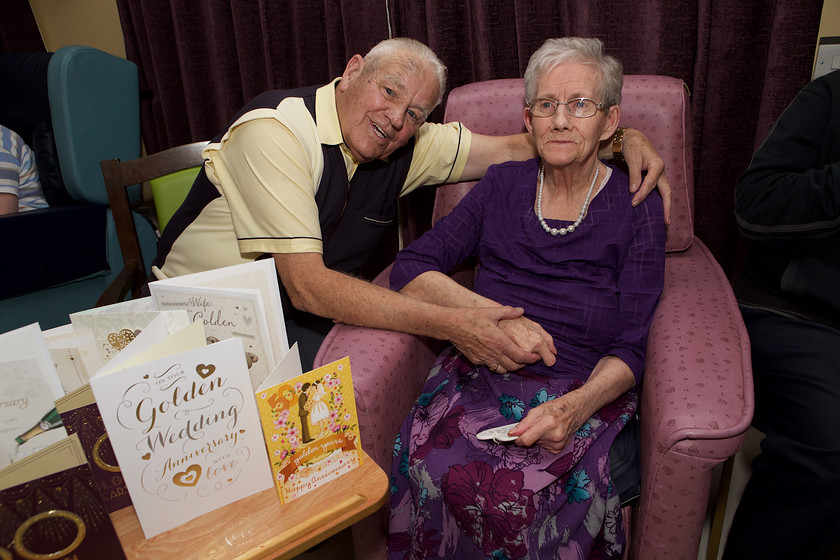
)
(571, 228)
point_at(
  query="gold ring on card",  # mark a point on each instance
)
(100, 462)
(81, 531)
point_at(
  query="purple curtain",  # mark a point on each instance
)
(742, 61)
(201, 60)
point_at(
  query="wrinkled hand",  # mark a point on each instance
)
(530, 336)
(640, 155)
(484, 342)
(552, 424)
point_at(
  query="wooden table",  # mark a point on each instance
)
(259, 526)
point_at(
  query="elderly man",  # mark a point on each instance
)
(310, 177)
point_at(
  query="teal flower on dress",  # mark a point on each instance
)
(404, 462)
(576, 487)
(541, 397)
(498, 555)
(422, 495)
(584, 431)
(394, 487)
(511, 407)
(426, 398)
(398, 445)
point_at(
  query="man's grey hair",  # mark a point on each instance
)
(407, 51)
(576, 49)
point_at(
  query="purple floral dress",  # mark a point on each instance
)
(595, 290)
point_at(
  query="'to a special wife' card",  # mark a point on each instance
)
(184, 428)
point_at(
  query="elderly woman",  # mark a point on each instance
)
(557, 236)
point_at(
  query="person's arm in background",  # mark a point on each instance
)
(639, 154)
(9, 173)
(792, 186)
(8, 204)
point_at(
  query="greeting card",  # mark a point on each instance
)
(225, 313)
(28, 420)
(81, 416)
(49, 508)
(257, 275)
(113, 331)
(74, 355)
(184, 427)
(310, 425)
(29, 386)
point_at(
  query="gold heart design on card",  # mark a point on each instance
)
(205, 371)
(121, 339)
(189, 477)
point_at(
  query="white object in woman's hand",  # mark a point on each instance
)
(498, 434)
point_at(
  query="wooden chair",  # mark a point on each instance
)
(121, 178)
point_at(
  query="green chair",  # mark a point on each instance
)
(170, 191)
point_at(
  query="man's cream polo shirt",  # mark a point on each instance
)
(267, 168)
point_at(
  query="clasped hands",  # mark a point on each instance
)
(505, 340)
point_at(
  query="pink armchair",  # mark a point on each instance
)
(697, 395)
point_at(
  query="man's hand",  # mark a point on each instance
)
(640, 155)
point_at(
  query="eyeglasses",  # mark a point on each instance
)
(581, 107)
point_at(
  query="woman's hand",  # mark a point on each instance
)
(552, 424)
(530, 336)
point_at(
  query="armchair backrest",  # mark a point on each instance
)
(656, 105)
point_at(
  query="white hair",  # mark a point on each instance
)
(407, 51)
(577, 49)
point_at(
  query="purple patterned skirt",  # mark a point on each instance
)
(455, 496)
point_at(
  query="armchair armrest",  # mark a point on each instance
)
(696, 403)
